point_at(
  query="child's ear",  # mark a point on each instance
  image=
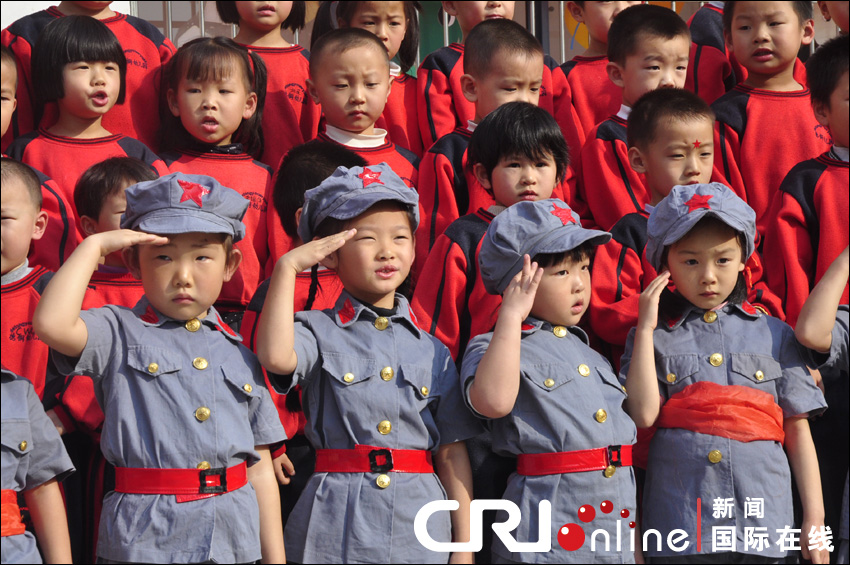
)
(469, 88)
(171, 98)
(449, 8)
(576, 11)
(40, 225)
(233, 261)
(131, 260)
(311, 89)
(808, 32)
(481, 176)
(615, 74)
(636, 160)
(250, 106)
(88, 225)
(820, 111)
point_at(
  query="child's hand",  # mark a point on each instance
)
(306, 255)
(648, 303)
(518, 298)
(116, 240)
(813, 555)
(57, 423)
(283, 468)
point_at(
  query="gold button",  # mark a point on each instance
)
(424, 390)
(716, 359)
(381, 324)
(609, 471)
(22, 446)
(192, 325)
(203, 464)
(759, 376)
(348, 377)
(624, 388)
(202, 414)
(715, 456)
(549, 383)
(247, 388)
(384, 427)
(709, 316)
(601, 415)
(584, 370)
(559, 331)
(671, 377)
(200, 363)
(153, 368)
(383, 481)
(387, 373)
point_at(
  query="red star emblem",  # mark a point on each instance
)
(150, 316)
(563, 214)
(749, 308)
(346, 313)
(698, 201)
(673, 322)
(193, 191)
(222, 327)
(526, 327)
(368, 176)
(697, 143)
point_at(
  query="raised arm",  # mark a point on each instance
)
(817, 317)
(57, 318)
(276, 328)
(494, 390)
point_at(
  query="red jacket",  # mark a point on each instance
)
(404, 163)
(400, 117)
(593, 96)
(712, 70)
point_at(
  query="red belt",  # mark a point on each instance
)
(187, 484)
(598, 459)
(371, 459)
(10, 514)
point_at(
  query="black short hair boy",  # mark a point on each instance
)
(341, 40)
(103, 179)
(826, 67)
(13, 169)
(663, 105)
(803, 10)
(636, 22)
(491, 38)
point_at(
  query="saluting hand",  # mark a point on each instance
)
(306, 255)
(116, 240)
(518, 298)
(648, 302)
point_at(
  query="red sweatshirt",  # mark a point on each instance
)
(253, 180)
(400, 117)
(712, 70)
(147, 51)
(593, 96)
(759, 136)
(450, 301)
(807, 229)
(403, 162)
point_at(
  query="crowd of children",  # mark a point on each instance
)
(261, 302)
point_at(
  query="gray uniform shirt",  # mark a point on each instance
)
(735, 345)
(370, 380)
(32, 454)
(569, 399)
(175, 398)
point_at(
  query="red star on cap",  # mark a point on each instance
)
(697, 143)
(193, 191)
(698, 201)
(563, 214)
(368, 176)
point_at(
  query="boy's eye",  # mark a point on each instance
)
(744, 28)
(676, 156)
(163, 258)
(509, 89)
(690, 262)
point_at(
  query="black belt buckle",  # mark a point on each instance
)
(388, 460)
(213, 489)
(614, 455)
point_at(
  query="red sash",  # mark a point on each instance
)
(10, 515)
(731, 411)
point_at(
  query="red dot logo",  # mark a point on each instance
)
(607, 506)
(586, 513)
(571, 537)
(624, 513)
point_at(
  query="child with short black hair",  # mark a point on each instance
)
(647, 49)
(733, 388)
(182, 370)
(380, 433)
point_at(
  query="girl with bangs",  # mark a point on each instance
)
(215, 90)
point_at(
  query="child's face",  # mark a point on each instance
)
(597, 16)
(263, 16)
(512, 77)
(384, 19)
(374, 263)
(8, 101)
(91, 88)
(704, 265)
(766, 36)
(518, 179)
(212, 110)
(837, 115)
(109, 219)
(837, 11)
(657, 63)
(352, 87)
(564, 293)
(470, 14)
(21, 223)
(183, 278)
(682, 153)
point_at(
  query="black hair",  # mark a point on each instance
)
(12, 169)
(303, 168)
(576, 255)
(338, 41)
(67, 40)
(297, 16)
(492, 38)
(518, 129)
(103, 179)
(639, 22)
(663, 106)
(212, 58)
(803, 10)
(407, 51)
(826, 67)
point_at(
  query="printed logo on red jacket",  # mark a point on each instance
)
(22, 332)
(257, 200)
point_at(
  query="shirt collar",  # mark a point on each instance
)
(532, 325)
(624, 112)
(16, 274)
(348, 310)
(350, 139)
(395, 69)
(152, 318)
(470, 125)
(7, 375)
(843, 153)
(677, 319)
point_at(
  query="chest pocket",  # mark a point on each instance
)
(547, 376)
(677, 371)
(759, 369)
(242, 381)
(17, 437)
(348, 371)
(607, 376)
(419, 378)
(152, 361)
